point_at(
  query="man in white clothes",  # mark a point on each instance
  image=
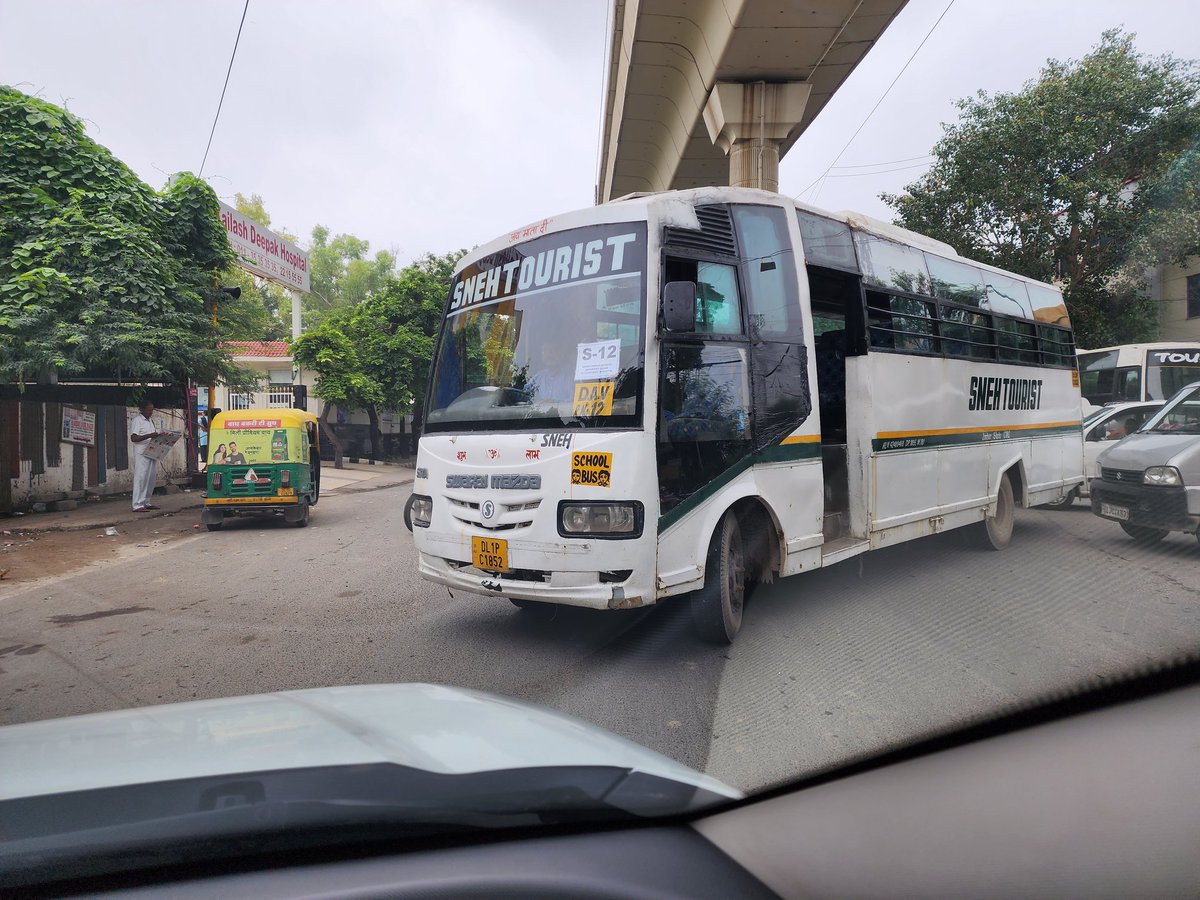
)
(141, 430)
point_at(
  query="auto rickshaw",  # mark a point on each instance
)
(262, 461)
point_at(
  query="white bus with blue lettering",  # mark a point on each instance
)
(687, 393)
(1154, 371)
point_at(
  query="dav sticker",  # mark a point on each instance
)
(591, 469)
(592, 398)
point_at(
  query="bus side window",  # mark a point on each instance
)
(718, 303)
(769, 272)
(1128, 384)
(718, 306)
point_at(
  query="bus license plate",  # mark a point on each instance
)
(490, 554)
(1114, 512)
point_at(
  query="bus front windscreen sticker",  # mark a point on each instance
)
(592, 398)
(597, 359)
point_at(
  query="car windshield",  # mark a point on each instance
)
(621, 409)
(1180, 416)
(545, 334)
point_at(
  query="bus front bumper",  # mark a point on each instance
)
(564, 588)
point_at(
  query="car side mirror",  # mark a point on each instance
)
(1096, 434)
(679, 306)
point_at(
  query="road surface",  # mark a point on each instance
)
(831, 665)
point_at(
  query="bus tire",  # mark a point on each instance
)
(1143, 534)
(718, 606)
(995, 532)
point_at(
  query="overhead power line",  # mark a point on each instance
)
(883, 97)
(224, 87)
(890, 162)
(878, 171)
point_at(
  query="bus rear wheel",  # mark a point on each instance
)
(717, 607)
(996, 530)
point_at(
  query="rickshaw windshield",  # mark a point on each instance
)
(257, 441)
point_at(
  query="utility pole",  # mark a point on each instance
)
(212, 388)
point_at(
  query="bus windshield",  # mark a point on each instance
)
(1168, 371)
(545, 334)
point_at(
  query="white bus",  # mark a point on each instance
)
(686, 393)
(1138, 371)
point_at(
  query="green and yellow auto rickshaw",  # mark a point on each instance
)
(262, 461)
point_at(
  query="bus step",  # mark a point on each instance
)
(836, 525)
(843, 548)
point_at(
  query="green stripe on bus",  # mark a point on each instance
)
(983, 436)
(776, 453)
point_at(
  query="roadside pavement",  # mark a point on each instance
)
(36, 546)
(115, 509)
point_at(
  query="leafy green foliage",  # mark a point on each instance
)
(343, 275)
(340, 376)
(395, 329)
(98, 272)
(376, 354)
(1087, 175)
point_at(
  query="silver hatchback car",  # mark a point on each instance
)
(1150, 481)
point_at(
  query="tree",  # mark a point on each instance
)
(1082, 176)
(342, 273)
(385, 342)
(340, 377)
(99, 273)
(395, 329)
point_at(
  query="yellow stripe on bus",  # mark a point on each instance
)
(886, 435)
(801, 439)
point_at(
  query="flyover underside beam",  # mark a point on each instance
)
(666, 57)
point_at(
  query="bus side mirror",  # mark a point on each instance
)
(679, 306)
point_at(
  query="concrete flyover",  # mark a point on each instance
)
(714, 92)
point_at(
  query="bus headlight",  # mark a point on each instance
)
(602, 520)
(1164, 476)
(422, 510)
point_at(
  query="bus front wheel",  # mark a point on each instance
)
(717, 607)
(996, 531)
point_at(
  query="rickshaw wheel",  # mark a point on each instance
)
(303, 520)
(215, 526)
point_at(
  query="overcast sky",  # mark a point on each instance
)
(439, 124)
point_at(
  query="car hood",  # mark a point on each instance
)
(1144, 449)
(438, 729)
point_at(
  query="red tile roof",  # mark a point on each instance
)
(257, 348)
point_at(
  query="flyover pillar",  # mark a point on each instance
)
(750, 121)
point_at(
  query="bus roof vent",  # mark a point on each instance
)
(715, 234)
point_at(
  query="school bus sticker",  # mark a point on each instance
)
(592, 398)
(591, 469)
